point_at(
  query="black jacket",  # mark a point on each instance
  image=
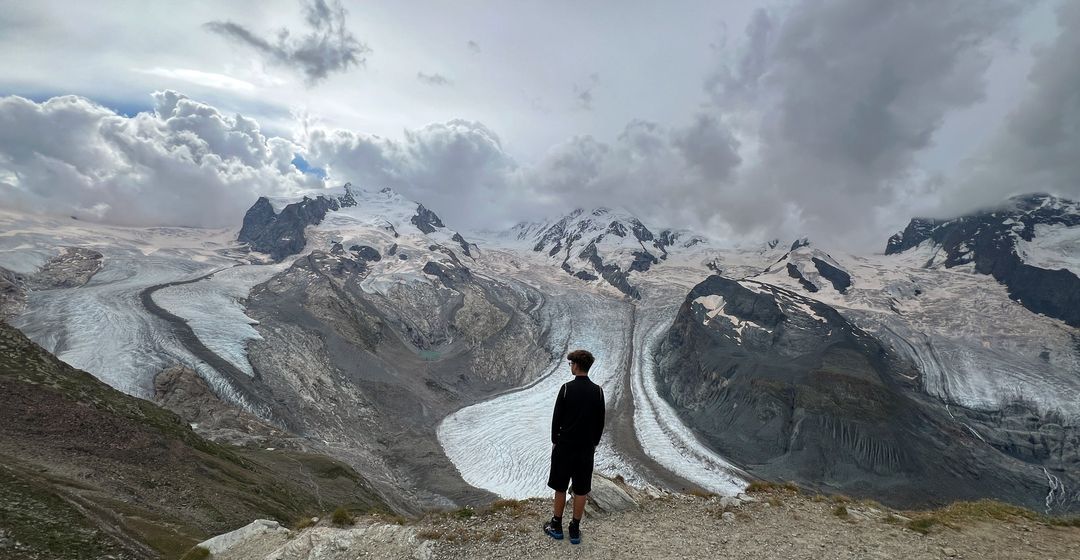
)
(578, 420)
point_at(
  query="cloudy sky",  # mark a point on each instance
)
(834, 119)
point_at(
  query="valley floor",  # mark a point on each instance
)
(779, 524)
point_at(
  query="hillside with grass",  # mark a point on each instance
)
(89, 472)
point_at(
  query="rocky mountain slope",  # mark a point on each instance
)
(860, 373)
(89, 472)
(355, 323)
(1030, 245)
(787, 388)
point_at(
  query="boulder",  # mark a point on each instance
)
(608, 497)
(258, 529)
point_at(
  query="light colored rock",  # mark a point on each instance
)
(950, 552)
(377, 541)
(730, 502)
(259, 528)
(608, 497)
(728, 517)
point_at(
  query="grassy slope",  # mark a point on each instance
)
(87, 471)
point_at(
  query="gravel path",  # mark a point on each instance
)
(778, 525)
(791, 527)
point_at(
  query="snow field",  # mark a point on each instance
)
(504, 444)
(662, 434)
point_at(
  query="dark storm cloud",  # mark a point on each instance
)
(1037, 148)
(433, 79)
(659, 172)
(840, 95)
(710, 147)
(328, 46)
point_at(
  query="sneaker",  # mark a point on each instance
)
(553, 529)
(575, 532)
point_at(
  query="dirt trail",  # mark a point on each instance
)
(791, 527)
(777, 525)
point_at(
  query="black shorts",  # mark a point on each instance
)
(569, 463)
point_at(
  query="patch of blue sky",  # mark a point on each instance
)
(302, 164)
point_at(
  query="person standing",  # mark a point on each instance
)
(576, 426)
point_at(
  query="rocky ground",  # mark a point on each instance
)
(775, 523)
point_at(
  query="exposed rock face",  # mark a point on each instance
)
(449, 274)
(917, 230)
(425, 220)
(789, 389)
(72, 268)
(991, 242)
(795, 273)
(281, 235)
(840, 279)
(183, 392)
(610, 272)
(815, 270)
(12, 294)
(366, 252)
(396, 360)
(470, 249)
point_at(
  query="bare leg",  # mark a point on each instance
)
(579, 506)
(560, 503)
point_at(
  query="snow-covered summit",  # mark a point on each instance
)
(346, 216)
(604, 244)
(1031, 244)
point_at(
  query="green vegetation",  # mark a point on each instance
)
(341, 516)
(196, 553)
(761, 486)
(512, 507)
(955, 514)
(190, 488)
(701, 493)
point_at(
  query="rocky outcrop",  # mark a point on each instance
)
(610, 272)
(425, 220)
(840, 279)
(450, 274)
(366, 253)
(917, 231)
(73, 267)
(794, 272)
(787, 388)
(281, 235)
(470, 249)
(12, 294)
